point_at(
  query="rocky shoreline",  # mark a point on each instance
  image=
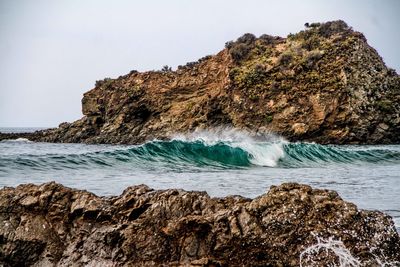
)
(324, 84)
(49, 224)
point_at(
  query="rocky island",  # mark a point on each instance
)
(324, 84)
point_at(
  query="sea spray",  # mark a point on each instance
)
(271, 150)
(219, 149)
(341, 255)
(220, 162)
(24, 140)
(263, 149)
(336, 252)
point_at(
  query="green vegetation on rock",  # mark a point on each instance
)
(323, 84)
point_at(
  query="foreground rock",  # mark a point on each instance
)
(52, 224)
(323, 84)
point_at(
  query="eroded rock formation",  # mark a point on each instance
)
(323, 84)
(51, 224)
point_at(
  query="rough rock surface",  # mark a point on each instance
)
(323, 84)
(49, 224)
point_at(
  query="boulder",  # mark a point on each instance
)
(291, 224)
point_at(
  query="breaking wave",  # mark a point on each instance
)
(223, 149)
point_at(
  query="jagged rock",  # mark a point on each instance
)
(49, 224)
(323, 84)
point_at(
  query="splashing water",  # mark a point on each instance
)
(221, 148)
(342, 256)
(263, 150)
(222, 161)
(329, 245)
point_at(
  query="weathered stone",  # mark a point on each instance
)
(327, 78)
(143, 227)
(299, 128)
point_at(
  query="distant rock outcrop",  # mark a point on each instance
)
(323, 84)
(51, 225)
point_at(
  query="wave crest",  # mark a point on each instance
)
(221, 148)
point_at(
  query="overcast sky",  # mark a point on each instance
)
(51, 52)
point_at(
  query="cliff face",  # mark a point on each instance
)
(323, 84)
(50, 225)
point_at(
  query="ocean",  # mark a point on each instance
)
(221, 162)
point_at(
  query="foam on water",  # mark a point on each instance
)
(221, 161)
(24, 140)
(221, 148)
(264, 150)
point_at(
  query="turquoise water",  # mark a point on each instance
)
(222, 162)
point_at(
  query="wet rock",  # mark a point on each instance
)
(51, 224)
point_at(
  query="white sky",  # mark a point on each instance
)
(51, 52)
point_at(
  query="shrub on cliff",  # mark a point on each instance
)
(239, 51)
(166, 68)
(329, 28)
(311, 43)
(188, 65)
(253, 77)
(312, 25)
(193, 64)
(205, 58)
(247, 38)
(285, 58)
(106, 82)
(132, 72)
(268, 39)
(241, 48)
(312, 57)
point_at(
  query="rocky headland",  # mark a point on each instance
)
(49, 224)
(323, 84)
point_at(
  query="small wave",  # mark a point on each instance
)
(310, 154)
(194, 152)
(18, 140)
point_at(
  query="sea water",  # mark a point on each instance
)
(222, 162)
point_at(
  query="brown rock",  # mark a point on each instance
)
(326, 77)
(54, 225)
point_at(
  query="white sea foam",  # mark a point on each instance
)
(343, 255)
(22, 140)
(265, 154)
(329, 245)
(265, 149)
